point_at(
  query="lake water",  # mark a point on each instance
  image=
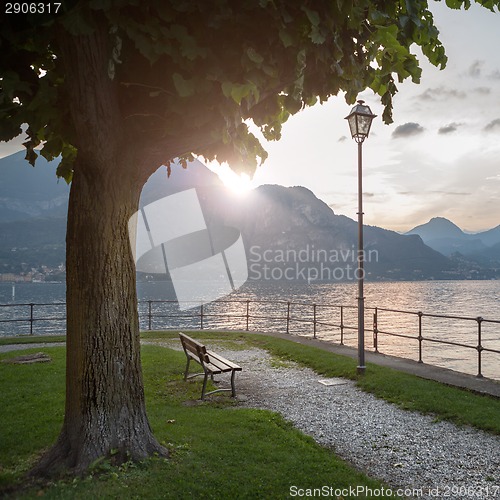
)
(268, 311)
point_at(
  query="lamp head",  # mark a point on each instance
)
(360, 120)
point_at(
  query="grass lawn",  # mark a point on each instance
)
(218, 450)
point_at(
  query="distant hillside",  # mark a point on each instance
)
(491, 237)
(27, 192)
(196, 175)
(447, 238)
(297, 230)
(282, 228)
(437, 228)
(32, 243)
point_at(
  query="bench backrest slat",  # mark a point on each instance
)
(195, 348)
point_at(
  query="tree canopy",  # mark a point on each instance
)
(195, 72)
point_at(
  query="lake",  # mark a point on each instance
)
(268, 310)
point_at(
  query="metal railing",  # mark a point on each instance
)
(302, 318)
(420, 338)
(30, 316)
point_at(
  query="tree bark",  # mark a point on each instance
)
(105, 409)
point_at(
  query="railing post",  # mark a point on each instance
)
(314, 319)
(420, 337)
(288, 318)
(31, 318)
(248, 313)
(375, 330)
(201, 317)
(342, 325)
(479, 346)
(149, 315)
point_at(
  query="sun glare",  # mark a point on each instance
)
(237, 184)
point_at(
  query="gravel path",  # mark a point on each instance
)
(407, 450)
(23, 347)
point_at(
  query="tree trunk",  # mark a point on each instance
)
(105, 410)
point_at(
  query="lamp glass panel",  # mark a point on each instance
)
(352, 125)
(364, 123)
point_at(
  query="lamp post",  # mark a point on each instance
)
(360, 120)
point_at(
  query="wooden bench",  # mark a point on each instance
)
(211, 363)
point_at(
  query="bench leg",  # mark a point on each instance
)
(187, 368)
(233, 388)
(204, 386)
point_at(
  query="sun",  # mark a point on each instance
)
(238, 184)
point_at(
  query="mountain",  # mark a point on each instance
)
(438, 228)
(491, 237)
(447, 238)
(290, 228)
(288, 231)
(33, 207)
(27, 192)
(196, 175)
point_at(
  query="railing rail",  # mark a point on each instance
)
(251, 313)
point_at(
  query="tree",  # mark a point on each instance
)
(120, 87)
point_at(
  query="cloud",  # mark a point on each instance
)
(495, 75)
(407, 129)
(342, 139)
(451, 193)
(492, 125)
(449, 129)
(483, 90)
(431, 193)
(440, 93)
(475, 69)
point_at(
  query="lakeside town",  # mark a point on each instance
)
(36, 275)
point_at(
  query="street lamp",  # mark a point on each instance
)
(360, 120)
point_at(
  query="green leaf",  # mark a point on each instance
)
(227, 87)
(292, 104)
(52, 148)
(65, 167)
(387, 36)
(31, 156)
(185, 88)
(239, 92)
(457, 4)
(254, 56)
(286, 38)
(377, 17)
(312, 15)
(316, 36)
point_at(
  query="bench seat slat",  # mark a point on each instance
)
(215, 359)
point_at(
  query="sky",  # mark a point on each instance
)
(440, 157)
